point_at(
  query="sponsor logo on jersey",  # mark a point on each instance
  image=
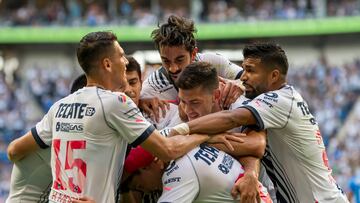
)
(90, 111)
(69, 127)
(226, 164)
(74, 111)
(172, 180)
(259, 100)
(171, 168)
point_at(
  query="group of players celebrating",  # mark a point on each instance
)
(198, 129)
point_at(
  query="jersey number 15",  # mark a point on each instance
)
(70, 163)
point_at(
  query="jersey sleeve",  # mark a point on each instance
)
(124, 116)
(156, 85)
(42, 132)
(180, 182)
(224, 66)
(271, 109)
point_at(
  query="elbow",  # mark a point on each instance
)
(170, 155)
(12, 153)
(260, 149)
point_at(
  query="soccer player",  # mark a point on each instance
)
(31, 177)
(205, 174)
(177, 48)
(88, 131)
(295, 157)
(199, 94)
(133, 76)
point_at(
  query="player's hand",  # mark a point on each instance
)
(247, 187)
(182, 113)
(83, 200)
(226, 139)
(230, 91)
(151, 107)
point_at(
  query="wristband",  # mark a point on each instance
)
(182, 129)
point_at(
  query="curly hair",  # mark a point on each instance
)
(176, 32)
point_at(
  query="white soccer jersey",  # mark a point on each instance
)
(295, 158)
(88, 132)
(171, 118)
(263, 176)
(205, 175)
(160, 85)
(31, 178)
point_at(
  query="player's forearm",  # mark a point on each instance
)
(252, 146)
(213, 123)
(180, 145)
(250, 165)
(221, 121)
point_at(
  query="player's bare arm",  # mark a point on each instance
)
(21, 147)
(253, 144)
(172, 147)
(222, 121)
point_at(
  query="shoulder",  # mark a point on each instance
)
(212, 58)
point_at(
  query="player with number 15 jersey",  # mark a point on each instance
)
(88, 132)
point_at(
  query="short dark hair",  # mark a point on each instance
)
(93, 47)
(198, 74)
(176, 32)
(78, 83)
(133, 65)
(269, 53)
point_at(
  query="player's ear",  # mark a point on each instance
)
(275, 76)
(193, 53)
(216, 95)
(107, 64)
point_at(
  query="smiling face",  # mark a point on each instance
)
(134, 86)
(118, 67)
(197, 102)
(175, 58)
(255, 77)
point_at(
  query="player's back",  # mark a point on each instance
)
(203, 175)
(31, 178)
(90, 135)
(295, 157)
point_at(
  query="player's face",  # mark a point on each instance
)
(254, 77)
(175, 58)
(134, 86)
(149, 179)
(197, 102)
(119, 63)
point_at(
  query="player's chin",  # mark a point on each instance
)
(250, 94)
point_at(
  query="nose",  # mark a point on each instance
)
(187, 109)
(173, 68)
(126, 61)
(243, 76)
(127, 89)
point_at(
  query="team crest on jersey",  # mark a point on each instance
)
(90, 111)
(69, 127)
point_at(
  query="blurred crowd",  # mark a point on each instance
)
(330, 91)
(143, 12)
